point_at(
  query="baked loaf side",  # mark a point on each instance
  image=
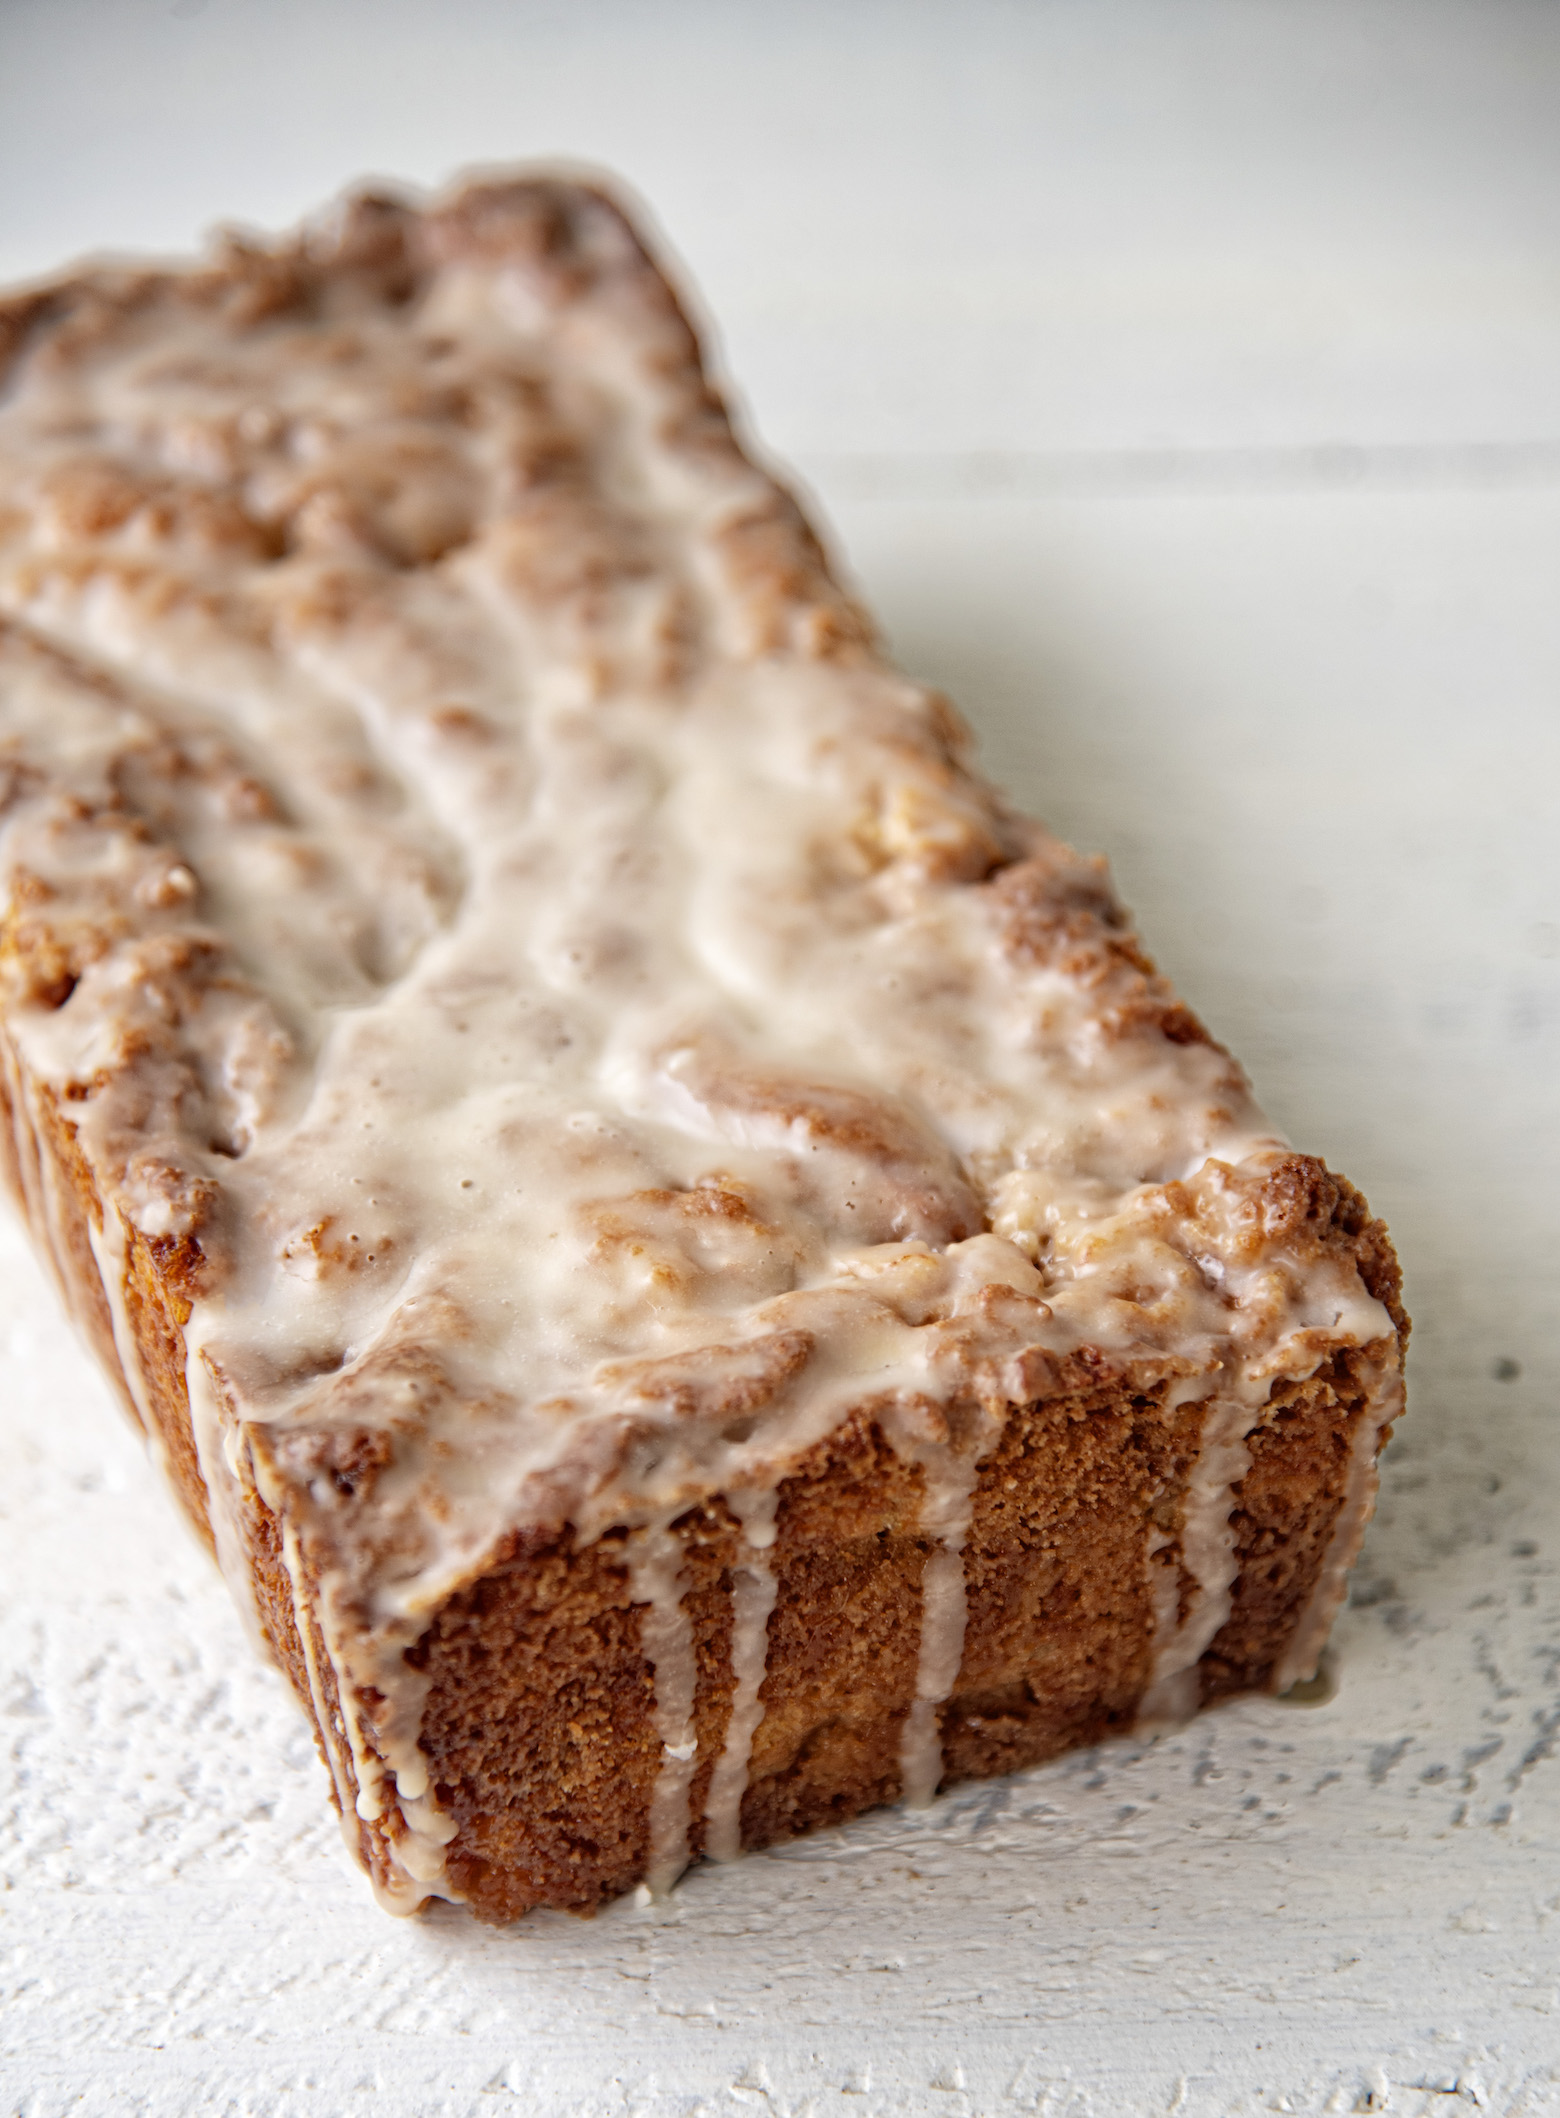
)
(693, 1274)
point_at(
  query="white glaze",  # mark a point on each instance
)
(656, 1579)
(574, 974)
(752, 1600)
(950, 1474)
(1206, 1549)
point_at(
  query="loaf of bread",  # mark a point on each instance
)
(686, 1264)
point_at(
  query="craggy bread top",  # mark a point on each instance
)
(553, 995)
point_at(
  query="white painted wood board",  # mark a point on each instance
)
(1184, 388)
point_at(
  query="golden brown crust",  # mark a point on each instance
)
(155, 1281)
(64, 1178)
(1063, 913)
(1285, 1510)
(539, 1719)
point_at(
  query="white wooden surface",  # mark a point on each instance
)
(1184, 385)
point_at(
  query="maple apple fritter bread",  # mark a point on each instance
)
(689, 1268)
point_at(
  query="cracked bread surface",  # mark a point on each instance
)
(691, 1270)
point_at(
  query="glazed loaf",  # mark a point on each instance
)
(690, 1270)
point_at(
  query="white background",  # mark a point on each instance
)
(1182, 382)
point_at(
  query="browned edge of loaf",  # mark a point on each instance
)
(540, 1726)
